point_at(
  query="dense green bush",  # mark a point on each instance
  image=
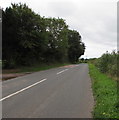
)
(108, 63)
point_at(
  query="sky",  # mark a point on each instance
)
(95, 20)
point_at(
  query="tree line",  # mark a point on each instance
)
(29, 38)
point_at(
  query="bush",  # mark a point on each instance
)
(107, 63)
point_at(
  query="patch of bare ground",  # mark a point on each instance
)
(6, 76)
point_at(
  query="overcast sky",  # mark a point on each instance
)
(95, 20)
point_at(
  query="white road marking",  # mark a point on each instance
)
(22, 90)
(62, 71)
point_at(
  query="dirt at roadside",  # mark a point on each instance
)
(6, 76)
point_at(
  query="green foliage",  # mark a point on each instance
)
(107, 63)
(82, 60)
(105, 93)
(21, 31)
(41, 66)
(57, 39)
(29, 38)
(92, 60)
(76, 47)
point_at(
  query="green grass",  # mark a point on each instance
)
(41, 67)
(105, 94)
(35, 68)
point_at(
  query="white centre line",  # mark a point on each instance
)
(22, 90)
(62, 71)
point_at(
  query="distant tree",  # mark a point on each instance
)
(82, 59)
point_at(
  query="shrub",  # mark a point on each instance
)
(107, 63)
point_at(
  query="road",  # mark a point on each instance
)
(63, 92)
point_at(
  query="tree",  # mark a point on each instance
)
(76, 47)
(29, 38)
(23, 31)
(57, 39)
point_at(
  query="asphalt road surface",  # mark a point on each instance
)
(63, 92)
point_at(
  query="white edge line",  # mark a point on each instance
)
(22, 90)
(62, 71)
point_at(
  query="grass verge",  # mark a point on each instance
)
(35, 68)
(41, 67)
(105, 94)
